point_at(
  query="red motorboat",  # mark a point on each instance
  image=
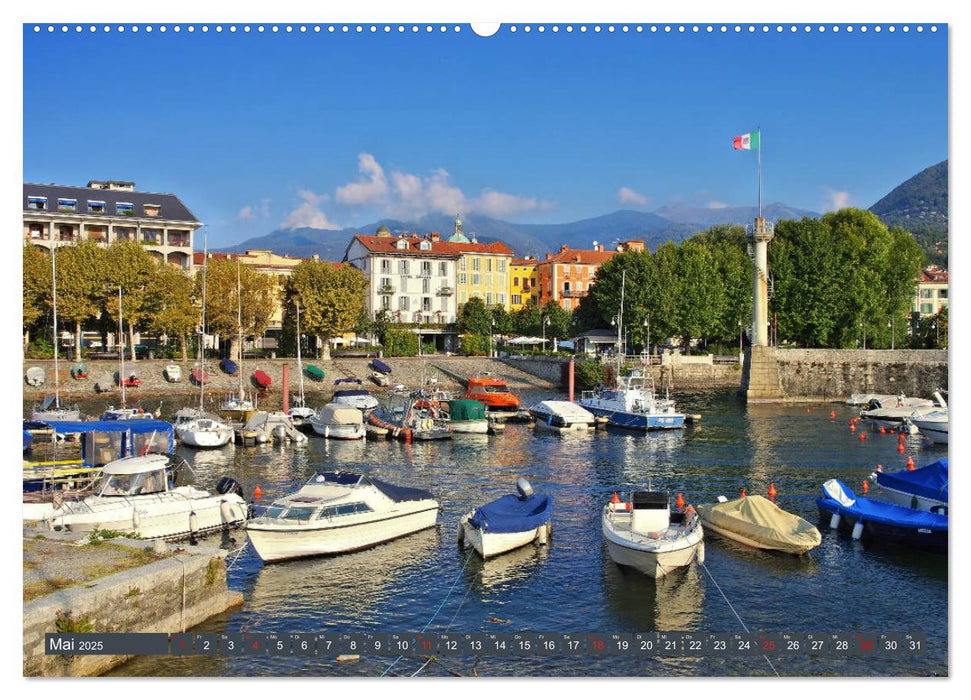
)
(262, 379)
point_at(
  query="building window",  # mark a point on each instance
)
(64, 204)
(38, 203)
(426, 303)
(426, 268)
(125, 208)
(942, 294)
(401, 244)
(386, 303)
(96, 207)
(488, 280)
(488, 298)
(515, 281)
(152, 236)
(426, 285)
(403, 267)
(36, 231)
(443, 269)
(462, 264)
(386, 267)
(124, 234)
(178, 238)
(463, 278)
(425, 245)
(501, 299)
(476, 264)
(152, 209)
(489, 265)
(402, 303)
(476, 280)
(927, 309)
(502, 265)
(517, 299)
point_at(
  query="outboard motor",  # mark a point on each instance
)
(524, 487)
(229, 485)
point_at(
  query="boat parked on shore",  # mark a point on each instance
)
(337, 512)
(758, 522)
(646, 535)
(508, 523)
(173, 373)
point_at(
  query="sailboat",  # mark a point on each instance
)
(123, 413)
(300, 413)
(238, 407)
(192, 425)
(51, 409)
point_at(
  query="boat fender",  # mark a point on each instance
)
(834, 522)
(136, 519)
(192, 522)
(524, 487)
(541, 534)
(857, 530)
(229, 485)
(227, 511)
(461, 538)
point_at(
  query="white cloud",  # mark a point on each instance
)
(402, 195)
(308, 213)
(370, 188)
(245, 214)
(628, 196)
(249, 212)
(836, 199)
(717, 205)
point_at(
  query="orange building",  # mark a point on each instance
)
(565, 277)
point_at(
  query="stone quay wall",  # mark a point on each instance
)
(672, 374)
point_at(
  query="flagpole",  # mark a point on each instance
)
(758, 130)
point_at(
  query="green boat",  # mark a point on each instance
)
(467, 416)
(315, 372)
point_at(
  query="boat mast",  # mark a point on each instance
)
(620, 321)
(121, 335)
(202, 334)
(299, 360)
(239, 320)
(57, 384)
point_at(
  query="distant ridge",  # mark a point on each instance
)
(919, 205)
(705, 217)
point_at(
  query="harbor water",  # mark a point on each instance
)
(426, 582)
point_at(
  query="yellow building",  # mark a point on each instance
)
(522, 282)
(483, 269)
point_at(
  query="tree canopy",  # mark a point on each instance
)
(331, 298)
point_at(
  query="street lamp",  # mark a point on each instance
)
(647, 336)
(546, 322)
(741, 349)
(492, 325)
(418, 318)
(890, 325)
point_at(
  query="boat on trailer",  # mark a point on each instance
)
(337, 512)
(508, 523)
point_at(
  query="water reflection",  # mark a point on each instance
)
(501, 572)
(673, 603)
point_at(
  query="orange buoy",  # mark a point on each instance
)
(744, 495)
(257, 492)
(832, 414)
(628, 506)
(852, 427)
(910, 463)
(772, 492)
(866, 486)
(807, 410)
(882, 430)
(615, 499)
(900, 447)
(680, 502)
(862, 436)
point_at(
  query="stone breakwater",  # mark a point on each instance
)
(412, 372)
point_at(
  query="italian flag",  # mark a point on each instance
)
(746, 142)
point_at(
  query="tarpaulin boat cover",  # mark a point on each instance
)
(929, 481)
(380, 366)
(876, 511)
(400, 493)
(334, 414)
(513, 514)
(351, 392)
(759, 519)
(466, 409)
(228, 366)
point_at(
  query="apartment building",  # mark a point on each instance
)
(930, 295)
(522, 282)
(565, 277)
(109, 211)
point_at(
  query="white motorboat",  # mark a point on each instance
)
(173, 373)
(931, 425)
(125, 413)
(135, 495)
(562, 417)
(508, 523)
(633, 403)
(359, 398)
(264, 426)
(896, 414)
(645, 535)
(887, 400)
(203, 431)
(338, 512)
(338, 421)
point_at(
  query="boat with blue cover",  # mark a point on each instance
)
(921, 489)
(508, 522)
(633, 403)
(880, 522)
(359, 397)
(228, 366)
(380, 366)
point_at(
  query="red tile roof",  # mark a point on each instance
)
(933, 275)
(389, 246)
(571, 256)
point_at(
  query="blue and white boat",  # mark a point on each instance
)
(28, 439)
(921, 489)
(634, 404)
(359, 398)
(880, 522)
(508, 522)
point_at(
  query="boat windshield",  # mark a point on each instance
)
(344, 509)
(139, 484)
(298, 513)
(496, 389)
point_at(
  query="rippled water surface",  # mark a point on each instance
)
(573, 586)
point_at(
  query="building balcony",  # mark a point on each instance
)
(572, 294)
(445, 291)
(386, 289)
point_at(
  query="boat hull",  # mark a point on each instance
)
(206, 438)
(338, 432)
(638, 421)
(935, 431)
(491, 544)
(923, 539)
(480, 427)
(656, 564)
(278, 543)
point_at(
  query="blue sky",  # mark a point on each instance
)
(262, 131)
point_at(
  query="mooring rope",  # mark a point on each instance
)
(737, 616)
(442, 605)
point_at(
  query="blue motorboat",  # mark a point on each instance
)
(508, 522)
(634, 404)
(380, 366)
(228, 366)
(28, 438)
(880, 522)
(921, 489)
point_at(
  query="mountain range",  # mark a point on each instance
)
(668, 224)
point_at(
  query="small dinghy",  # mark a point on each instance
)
(104, 383)
(508, 522)
(562, 417)
(645, 534)
(261, 379)
(35, 376)
(379, 366)
(315, 373)
(758, 522)
(132, 380)
(199, 376)
(173, 373)
(228, 366)
(380, 379)
(882, 523)
(79, 370)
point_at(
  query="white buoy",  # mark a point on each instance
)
(541, 534)
(834, 522)
(858, 530)
(192, 523)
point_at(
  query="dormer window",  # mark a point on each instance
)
(401, 244)
(95, 207)
(64, 204)
(125, 208)
(39, 203)
(152, 209)
(425, 245)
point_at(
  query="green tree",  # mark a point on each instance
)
(256, 295)
(558, 321)
(36, 287)
(174, 312)
(474, 317)
(501, 320)
(527, 321)
(474, 344)
(727, 244)
(701, 294)
(81, 271)
(332, 298)
(127, 266)
(400, 342)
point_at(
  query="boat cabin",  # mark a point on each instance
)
(494, 393)
(134, 476)
(650, 511)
